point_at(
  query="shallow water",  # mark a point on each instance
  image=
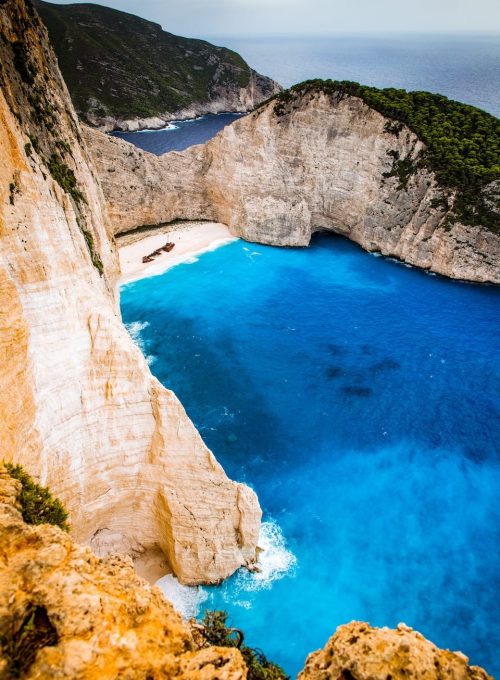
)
(359, 398)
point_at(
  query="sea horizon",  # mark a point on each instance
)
(412, 61)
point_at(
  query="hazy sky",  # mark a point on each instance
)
(205, 18)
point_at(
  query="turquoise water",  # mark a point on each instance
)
(359, 398)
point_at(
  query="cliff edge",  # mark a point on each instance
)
(359, 651)
(316, 158)
(64, 613)
(79, 407)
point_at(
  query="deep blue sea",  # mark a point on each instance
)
(359, 397)
(180, 134)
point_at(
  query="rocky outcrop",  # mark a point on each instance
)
(79, 407)
(95, 618)
(126, 73)
(358, 651)
(320, 163)
(65, 613)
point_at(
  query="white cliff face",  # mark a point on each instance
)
(277, 179)
(79, 407)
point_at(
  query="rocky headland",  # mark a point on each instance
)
(126, 73)
(313, 159)
(79, 407)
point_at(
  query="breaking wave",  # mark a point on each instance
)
(134, 330)
(186, 599)
(275, 560)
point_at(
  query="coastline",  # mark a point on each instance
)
(170, 124)
(162, 121)
(190, 239)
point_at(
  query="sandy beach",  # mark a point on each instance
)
(152, 565)
(190, 239)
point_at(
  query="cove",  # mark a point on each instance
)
(359, 397)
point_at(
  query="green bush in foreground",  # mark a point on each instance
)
(38, 506)
(218, 633)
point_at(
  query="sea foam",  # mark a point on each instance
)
(134, 330)
(275, 562)
(168, 126)
(187, 600)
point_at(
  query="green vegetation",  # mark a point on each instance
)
(38, 506)
(216, 632)
(20, 643)
(13, 190)
(64, 176)
(34, 143)
(94, 255)
(463, 142)
(402, 168)
(119, 65)
(22, 63)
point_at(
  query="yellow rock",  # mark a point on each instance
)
(359, 652)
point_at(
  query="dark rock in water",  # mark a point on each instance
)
(335, 349)
(385, 365)
(357, 391)
(334, 372)
(476, 455)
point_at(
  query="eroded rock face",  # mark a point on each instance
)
(359, 652)
(96, 619)
(79, 407)
(276, 179)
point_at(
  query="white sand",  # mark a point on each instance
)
(190, 238)
(152, 565)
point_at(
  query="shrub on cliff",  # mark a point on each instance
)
(216, 632)
(38, 506)
(463, 142)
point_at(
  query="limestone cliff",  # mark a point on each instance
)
(358, 651)
(126, 73)
(64, 613)
(324, 162)
(79, 407)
